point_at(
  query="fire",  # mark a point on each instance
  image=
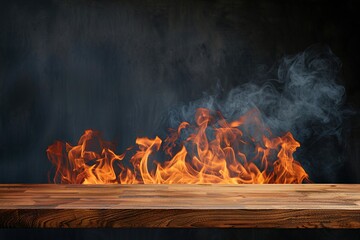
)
(210, 151)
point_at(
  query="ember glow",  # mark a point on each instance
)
(212, 150)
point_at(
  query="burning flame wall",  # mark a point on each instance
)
(225, 158)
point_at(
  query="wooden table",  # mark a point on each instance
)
(180, 206)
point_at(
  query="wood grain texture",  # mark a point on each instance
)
(241, 206)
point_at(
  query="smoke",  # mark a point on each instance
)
(304, 98)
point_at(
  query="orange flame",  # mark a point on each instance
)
(214, 151)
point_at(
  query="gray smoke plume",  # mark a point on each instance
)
(304, 98)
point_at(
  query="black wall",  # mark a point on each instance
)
(118, 66)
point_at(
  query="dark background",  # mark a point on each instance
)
(118, 66)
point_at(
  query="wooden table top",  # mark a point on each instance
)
(281, 206)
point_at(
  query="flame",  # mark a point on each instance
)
(210, 151)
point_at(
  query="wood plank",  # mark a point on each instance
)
(241, 206)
